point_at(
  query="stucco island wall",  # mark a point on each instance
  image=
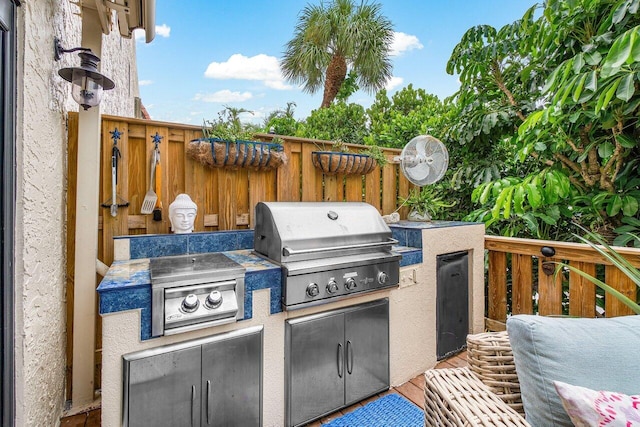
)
(412, 325)
(43, 100)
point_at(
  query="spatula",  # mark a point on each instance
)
(157, 210)
(151, 197)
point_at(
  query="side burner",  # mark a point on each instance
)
(195, 291)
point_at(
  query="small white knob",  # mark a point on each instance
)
(214, 299)
(190, 303)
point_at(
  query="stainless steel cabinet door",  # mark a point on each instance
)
(315, 367)
(232, 382)
(164, 389)
(366, 351)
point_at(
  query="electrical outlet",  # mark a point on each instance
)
(408, 277)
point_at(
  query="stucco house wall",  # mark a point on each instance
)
(43, 100)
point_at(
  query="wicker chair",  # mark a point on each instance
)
(487, 393)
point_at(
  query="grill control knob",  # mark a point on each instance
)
(332, 287)
(313, 290)
(382, 278)
(350, 283)
(214, 299)
(190, 303)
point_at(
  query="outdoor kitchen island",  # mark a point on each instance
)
(125, 304)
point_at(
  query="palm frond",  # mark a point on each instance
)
(615, 258)
(621, 297)
(611, 255)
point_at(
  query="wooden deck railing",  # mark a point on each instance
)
(522, 281)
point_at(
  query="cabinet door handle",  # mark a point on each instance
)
(193, 406)
(340, 360)
(349, 357)
(209, 402)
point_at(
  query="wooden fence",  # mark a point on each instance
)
(518, 284)
(225, 198)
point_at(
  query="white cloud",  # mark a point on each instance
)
(161, 30)
(393, 82)
(145, 82)
(404, 42)
(278, 85)
(261, 67)
(223, 96)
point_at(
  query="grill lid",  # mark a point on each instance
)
(295, 231)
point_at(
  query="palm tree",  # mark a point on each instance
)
(330, 39)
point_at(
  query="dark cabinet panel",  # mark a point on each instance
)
(452, 303)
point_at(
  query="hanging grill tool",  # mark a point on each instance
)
(157, 211)
(115, 201)
(150, 199)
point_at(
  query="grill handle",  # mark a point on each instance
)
(209, 402)
(178, 290)
(340, 361)
(286, 251)
(193, 406)
(349, 357)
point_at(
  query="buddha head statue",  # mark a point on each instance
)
(182, 213)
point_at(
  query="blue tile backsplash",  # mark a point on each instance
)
(127, 285)
(411, 237)
(153, 246)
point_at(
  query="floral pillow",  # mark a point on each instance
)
(589, 408)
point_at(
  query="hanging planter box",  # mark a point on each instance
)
(333, 163)
(218, 153)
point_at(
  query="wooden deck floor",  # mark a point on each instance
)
(412, 390)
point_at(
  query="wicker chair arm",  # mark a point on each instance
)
(457, 398)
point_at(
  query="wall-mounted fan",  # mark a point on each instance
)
(424, 160)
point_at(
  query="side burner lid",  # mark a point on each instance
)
(204, 267)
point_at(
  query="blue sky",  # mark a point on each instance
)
(212, 53)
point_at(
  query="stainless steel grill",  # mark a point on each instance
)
(326, 250)
(195, 291)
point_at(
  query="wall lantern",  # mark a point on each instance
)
(87, 82)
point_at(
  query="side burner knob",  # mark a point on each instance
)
(313, 290)
(332, 287)
(350, 284)
(214, 299)
(190, 303)
(382, 278)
